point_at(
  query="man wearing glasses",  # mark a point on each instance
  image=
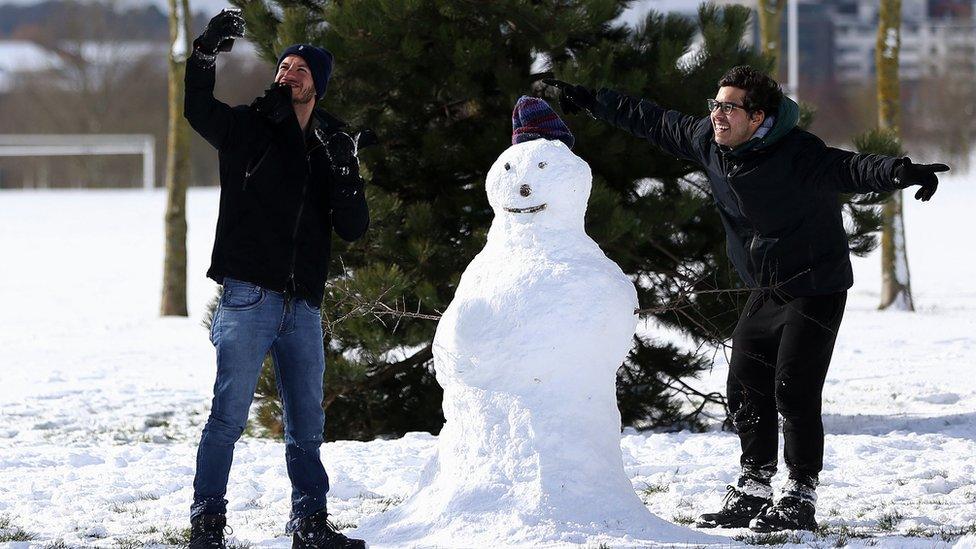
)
(777, 188)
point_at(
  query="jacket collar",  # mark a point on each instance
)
(787, 116)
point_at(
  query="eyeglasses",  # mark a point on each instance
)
(726, 107)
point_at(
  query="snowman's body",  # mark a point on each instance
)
(527, 354)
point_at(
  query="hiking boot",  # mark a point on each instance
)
(207, 532)
(741, 504)
(789, 513)
(317, 532)
(795, 510)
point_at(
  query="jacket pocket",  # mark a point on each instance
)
(254, 165)
(762, 259)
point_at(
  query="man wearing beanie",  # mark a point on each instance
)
(777, 189)
(289, 176)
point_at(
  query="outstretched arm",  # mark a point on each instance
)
(209, 117)
(673, 131)
(849, 172)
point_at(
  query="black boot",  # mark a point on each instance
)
(741, 504)
(796, 510)
(207, 532)
(316, 532)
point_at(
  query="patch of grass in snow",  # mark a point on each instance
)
(239, 545)
(392, 501)
(945, 533)
(887, 521)
(918, 532)
(128, 543)
(16, 534)
(774, 538)
(684, 519)
(56, 544)
(840, 537)
(842, 531)
(650, 489)
(175, 536)
(4, 521)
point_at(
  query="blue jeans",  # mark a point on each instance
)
(249, 322)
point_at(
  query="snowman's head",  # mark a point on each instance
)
(539, 182)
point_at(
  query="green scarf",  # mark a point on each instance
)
(787, 116)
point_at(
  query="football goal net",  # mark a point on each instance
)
(12, 145)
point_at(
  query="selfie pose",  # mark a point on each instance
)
(289, 176)
(777, 189)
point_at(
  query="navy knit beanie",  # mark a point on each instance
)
(319, 62)
(533, 118)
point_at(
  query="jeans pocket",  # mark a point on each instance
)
(239, 295)
(309, 307)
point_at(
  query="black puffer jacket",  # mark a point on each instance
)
(276, 217)
(778, 197)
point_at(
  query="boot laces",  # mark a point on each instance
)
(320, 528)
(213, 537)
(785, 509)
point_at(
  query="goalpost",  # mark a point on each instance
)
(82, 144)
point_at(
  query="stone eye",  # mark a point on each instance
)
(542, 165)
(508, 166)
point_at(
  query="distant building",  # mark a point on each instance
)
(837, 39)
(19, 58)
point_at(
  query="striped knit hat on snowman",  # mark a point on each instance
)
(533, 118)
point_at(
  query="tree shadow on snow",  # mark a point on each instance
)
(953, 425)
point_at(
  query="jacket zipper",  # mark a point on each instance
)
(755, 231)
(290, 285)
(248, 173)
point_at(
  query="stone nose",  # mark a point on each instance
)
(525, 190)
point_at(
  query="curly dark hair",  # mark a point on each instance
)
(762, 92)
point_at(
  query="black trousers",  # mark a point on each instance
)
(781, 349)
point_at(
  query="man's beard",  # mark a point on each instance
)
(304, 98)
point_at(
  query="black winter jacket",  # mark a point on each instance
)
(275, 222)
(778, 197)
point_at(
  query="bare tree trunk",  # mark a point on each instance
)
(177, 166)
(896, 288)
(770, 16)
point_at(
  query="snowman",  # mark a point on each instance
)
(527, 354)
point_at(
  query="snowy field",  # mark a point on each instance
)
(101, 401)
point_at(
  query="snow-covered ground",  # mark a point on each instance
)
(101, 401)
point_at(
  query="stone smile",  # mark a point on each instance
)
(530, 209)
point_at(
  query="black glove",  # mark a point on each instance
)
(573, 98)
(220, 33)
(275, 104)
(909, 174)
(341, 149)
